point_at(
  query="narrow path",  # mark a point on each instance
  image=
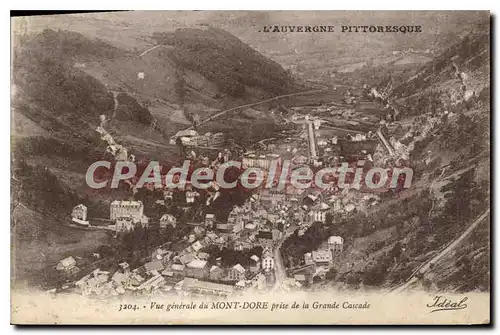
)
(150, 49)
(115, 95)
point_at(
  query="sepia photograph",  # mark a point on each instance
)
(250, 168)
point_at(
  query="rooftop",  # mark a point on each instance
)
(197, 245)
(177, 267)
(239, 268)
(197, 264)
(188, 132)
(192, 283)
(186, 258)
(152, 282)
(254, 258)
(68, 261)
(153, 265)
(300, 277)
(203, 255)
(126, 202)
(265, 234)
(119, 277)
(321, 255)
(335, 240)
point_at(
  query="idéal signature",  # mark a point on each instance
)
(443, 304)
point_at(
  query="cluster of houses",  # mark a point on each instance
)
(325, 147)
(189, 272)
(249, 226)
(318, 262)
(341, 203)
(261, 221)
(264, 218)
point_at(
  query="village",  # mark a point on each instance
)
(257, 227)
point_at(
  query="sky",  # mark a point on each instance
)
(132, 29)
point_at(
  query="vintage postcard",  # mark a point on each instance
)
(251, 167)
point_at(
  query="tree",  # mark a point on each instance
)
(396, 250)
(464, 199)
(331, 274)
(375, 275)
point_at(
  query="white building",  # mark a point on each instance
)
(67, 265)
(196, 268)
(216, 273)
(129, 223)
(167, 220)
(267, 263)
(300, 159)
(317, 216)
(209, 221)
(308, 258)
(185, 136)
(191, 196)
(123, 209)
(236, 273)
(260, 161)
(94, 282)
(336, 245)
(79, 215)
(255, 264)
(322, 257)
(203, 287)
(79, 212)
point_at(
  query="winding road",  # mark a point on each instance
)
(150, 49)
(254, 104)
